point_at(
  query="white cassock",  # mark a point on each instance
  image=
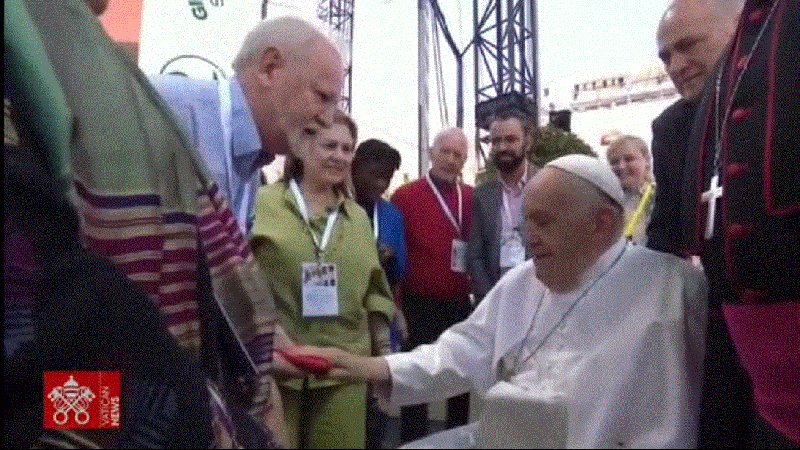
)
(622, 369)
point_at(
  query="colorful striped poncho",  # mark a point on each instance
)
(145, 199)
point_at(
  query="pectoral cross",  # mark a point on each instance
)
(711, 195)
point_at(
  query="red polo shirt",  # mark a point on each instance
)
(429, 237)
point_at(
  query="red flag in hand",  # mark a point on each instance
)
(315, 365)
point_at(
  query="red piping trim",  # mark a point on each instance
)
(730, 267)
(769, 144)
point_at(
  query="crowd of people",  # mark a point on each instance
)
(643, 299)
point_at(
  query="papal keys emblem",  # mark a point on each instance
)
(71, 397)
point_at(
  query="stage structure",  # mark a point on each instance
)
(506, 69)
(423, 108)
(504, 45)
(338, 14)
(431, 24)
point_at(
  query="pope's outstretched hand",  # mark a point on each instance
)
(346, 366)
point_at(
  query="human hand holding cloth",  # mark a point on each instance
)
(288, 364)
(309, 360)
(348, 367)
(315, 365)
(292, 364)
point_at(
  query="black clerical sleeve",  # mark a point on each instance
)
(671, 131)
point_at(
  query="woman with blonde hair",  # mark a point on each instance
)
(631, 161)
(317, 247)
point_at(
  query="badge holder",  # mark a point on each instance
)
(458, 256)
(512, 252)
(320, 290)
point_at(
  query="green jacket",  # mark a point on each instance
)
(282, 243)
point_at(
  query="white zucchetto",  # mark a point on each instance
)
(593, 170)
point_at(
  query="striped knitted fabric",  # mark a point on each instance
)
(159, 250)
(156, 249)
(145, 199)
(66, 310)
(235, 277)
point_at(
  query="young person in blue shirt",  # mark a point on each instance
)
(374, 166)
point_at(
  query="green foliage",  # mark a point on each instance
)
(550, 143)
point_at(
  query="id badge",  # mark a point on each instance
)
(320, 290)
(512, 253)
(458, 256)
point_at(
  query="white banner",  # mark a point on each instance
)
(200, 38)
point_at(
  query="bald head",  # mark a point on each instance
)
(691, 38)
(719, 9)
(292, 76)
(569, 223)
(291, 36)
(449, 153)
(450, 136)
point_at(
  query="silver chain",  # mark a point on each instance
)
(720, 127)
(519, 363)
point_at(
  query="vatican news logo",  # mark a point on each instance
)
(82, 400)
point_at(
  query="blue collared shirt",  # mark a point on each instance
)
(196, 105)
(392, 232)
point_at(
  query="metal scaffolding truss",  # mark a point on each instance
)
(505, 58)
(338, 14)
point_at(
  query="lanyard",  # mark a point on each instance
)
(507, 212)
(301, 205)
(506, 205)
(638, 215)
(375, 220)
(225, 119)
(446, 208)
(571, 308)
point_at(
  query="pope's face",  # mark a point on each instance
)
(559, 232)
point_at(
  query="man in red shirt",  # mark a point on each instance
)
(438, 214)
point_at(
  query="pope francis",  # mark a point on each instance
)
(594, 343)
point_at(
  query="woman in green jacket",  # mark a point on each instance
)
(317, 247)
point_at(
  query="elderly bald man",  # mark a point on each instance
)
(692, 36)
(599, 345)
(288, 74)
(437, 210)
